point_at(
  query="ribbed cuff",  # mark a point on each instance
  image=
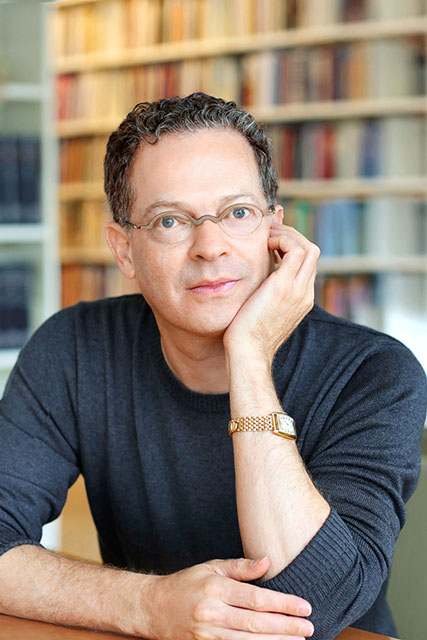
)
(320, 566)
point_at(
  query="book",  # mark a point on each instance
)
(389, 9)
(29, 179)
(19, 179)
(393, 227)
(348, 147)
(9, 180)
(402, 147)
(15, 301)
(92, 282)
(391, 69)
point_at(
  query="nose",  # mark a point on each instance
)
(208, 241)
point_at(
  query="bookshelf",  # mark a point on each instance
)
(27, 112)
(370, 58)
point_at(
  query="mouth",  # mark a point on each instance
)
(208, 287)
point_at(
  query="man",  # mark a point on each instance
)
(137, 393)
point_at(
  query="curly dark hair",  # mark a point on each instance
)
(149, 120)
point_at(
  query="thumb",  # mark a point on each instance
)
(242, 568)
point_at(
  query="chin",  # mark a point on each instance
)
(208, 324)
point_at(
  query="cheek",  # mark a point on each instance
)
(155, 276)
(264, 257)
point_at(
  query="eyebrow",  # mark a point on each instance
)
(182, 206)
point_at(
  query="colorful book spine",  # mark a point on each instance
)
(380, 147)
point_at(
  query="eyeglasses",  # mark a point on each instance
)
(172, 227)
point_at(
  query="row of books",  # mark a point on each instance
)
(393, 303)
(378, 227)
(83, 224)
(19, 179)
(392, 146)
(91, 282)
(112, 93)
(117, 25)
(378, 69)
(15, 299)
(81, 159)
(352, 297)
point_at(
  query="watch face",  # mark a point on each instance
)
(286, 425)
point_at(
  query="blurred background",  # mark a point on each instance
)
(341, 87)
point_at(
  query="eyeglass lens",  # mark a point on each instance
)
(238, 220)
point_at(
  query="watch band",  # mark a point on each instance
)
(278, 423)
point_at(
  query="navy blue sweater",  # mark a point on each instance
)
(92, 393)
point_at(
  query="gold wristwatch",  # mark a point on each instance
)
(279, 423)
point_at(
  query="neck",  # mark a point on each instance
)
(197, 361)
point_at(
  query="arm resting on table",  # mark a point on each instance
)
(36, 583)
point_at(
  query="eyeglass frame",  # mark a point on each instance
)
(198, 221)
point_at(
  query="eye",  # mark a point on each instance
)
(240, 213)
(167, 222)
(171, 221)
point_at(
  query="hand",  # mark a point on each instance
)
(211, 601)
(274, 310)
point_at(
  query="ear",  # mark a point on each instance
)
(119, 242)
(278, 216)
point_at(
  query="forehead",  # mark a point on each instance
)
(198, 168)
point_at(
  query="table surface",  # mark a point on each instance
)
(19, 629)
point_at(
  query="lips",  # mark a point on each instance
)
(213, 286)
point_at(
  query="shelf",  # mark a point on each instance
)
(338, 109)
(86, 256)
(307, 189)
(78, 127)
(298, 112)
(341, 265)
(355, 188)
(339, 32)
(61, 4)
(21, 92)
(8, 358)
(71, 191)
(327, 265)
(23, 233)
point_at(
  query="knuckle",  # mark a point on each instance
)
(238, 562)
(256, 600)
(201, 633)
(213, 586)
(254, 624)
(203, 612)
(315, 249)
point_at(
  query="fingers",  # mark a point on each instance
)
(299, 255)
(249, 596)
(272, 623)
(242, 635)
(242, 568)
(255, 609)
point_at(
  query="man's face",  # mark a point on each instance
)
(200, 284)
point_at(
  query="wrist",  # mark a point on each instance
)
(251, 388)
(139, 610)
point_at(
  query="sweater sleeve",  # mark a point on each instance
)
(38, 452)
(366, 464)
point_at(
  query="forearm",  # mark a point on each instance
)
(42, 585)
(279, 508)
